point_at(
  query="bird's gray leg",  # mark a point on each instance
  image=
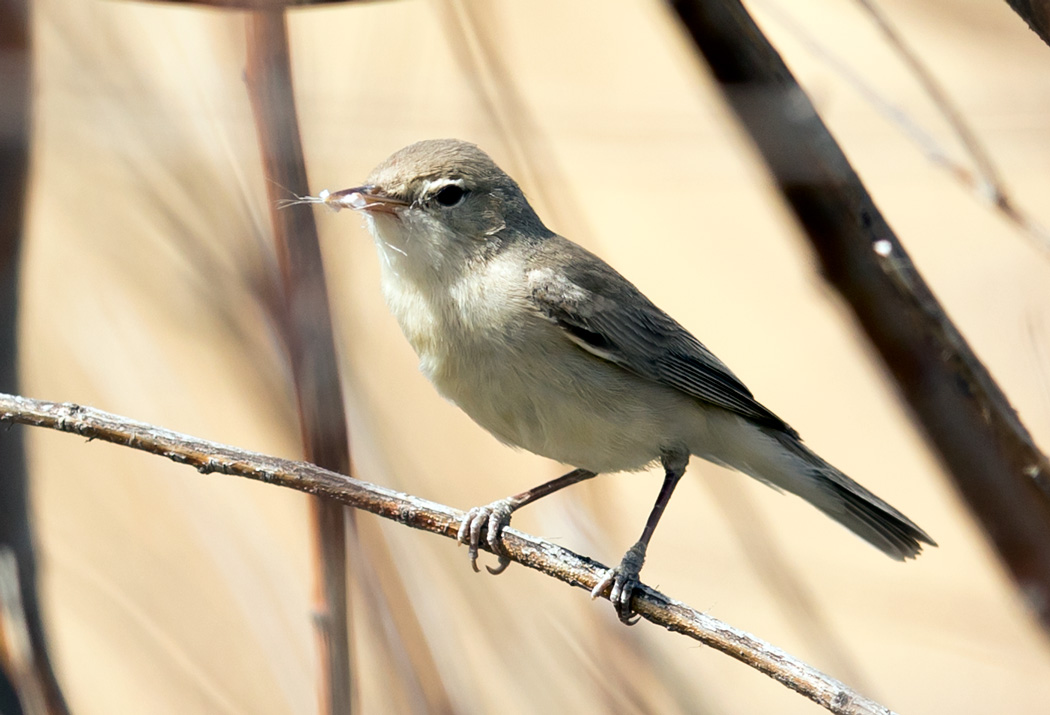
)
(493, 517)
(624, 578)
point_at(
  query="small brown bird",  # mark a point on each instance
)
(548, 348)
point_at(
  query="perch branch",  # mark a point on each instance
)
(560, 563)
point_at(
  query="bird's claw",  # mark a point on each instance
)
(489, 519)
(621, 582)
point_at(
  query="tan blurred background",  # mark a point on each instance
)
(172, 592)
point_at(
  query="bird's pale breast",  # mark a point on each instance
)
(524, 381)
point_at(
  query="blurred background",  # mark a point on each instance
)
(148, 239)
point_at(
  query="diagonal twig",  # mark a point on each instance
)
(560, 563)
(937, 94)
(985, 183)
(991, 184)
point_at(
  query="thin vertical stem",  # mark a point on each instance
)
(306, 327)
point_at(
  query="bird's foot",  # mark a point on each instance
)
(621, 582)
(489, 519)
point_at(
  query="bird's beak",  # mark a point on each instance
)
(364, 198)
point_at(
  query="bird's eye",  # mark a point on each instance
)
(450, 195)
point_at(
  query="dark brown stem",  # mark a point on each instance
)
(16, 537)
(306, 327)
(17, 657)
(990, 455)
(555, 561)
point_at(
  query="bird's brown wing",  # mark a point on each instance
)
(603, 313)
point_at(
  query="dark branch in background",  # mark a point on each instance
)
(1036, 13)
(305, 325)
(993, 460)
(16, 536)
(560, 563)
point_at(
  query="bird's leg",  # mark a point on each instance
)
(493, 517)
(624, 578)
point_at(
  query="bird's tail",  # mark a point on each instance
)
(782, 461)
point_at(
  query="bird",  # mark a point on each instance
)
(550, 349)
